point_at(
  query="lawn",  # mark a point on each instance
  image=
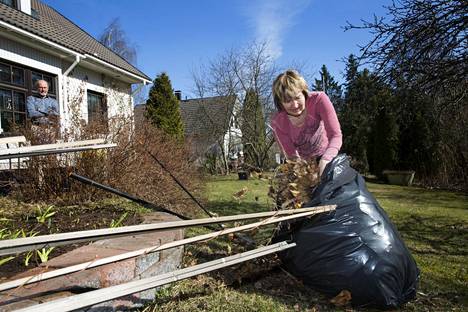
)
(433, 224)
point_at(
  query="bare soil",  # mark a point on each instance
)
(66, 219)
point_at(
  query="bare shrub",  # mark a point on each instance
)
(127, 167)
(140, 174)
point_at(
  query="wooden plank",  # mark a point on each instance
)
(105, 294)
(58, 151)
(15, 139)
(12, 246)
(136, 253)
(46, 147)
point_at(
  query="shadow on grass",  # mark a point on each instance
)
(224, 208)
(434, 235)
(423, 198)
(440, 245)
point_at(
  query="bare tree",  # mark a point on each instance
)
(421, 49)
(425, 40)
(239, 72)
(114, 38)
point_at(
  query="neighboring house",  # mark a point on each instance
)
(211, 125)
(86, 78)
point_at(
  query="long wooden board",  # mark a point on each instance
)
(12, 246)
(58, 151)
(46, 147)
(109, 293)
(136, 253)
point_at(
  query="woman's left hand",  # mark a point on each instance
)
(322, 164)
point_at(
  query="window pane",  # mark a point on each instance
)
(8, 2)
(50, 81)
(93, 105)
(35, 77)
(96, 107)
(19, 101)
(7, 120)
(5, 100)
(5, 73)
(18, 76)
(20, 119)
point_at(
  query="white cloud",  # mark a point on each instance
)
(272, 19)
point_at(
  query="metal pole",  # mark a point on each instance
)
(180, 184)
(140, 201)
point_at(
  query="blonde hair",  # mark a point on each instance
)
(286, 86)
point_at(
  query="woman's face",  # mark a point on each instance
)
(296, 105)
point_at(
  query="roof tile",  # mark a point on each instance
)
(53, 26)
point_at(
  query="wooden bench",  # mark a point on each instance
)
(14, 142)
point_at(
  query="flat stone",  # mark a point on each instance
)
(115, 273)
(82, 254)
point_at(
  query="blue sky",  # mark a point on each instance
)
(175, 36)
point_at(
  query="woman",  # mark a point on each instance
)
(306, 125)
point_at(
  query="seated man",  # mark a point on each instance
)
(42, 109)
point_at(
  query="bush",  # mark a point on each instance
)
(127, 167)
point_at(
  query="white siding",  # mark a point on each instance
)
(71, 95)
(28, 56)
(118, 98)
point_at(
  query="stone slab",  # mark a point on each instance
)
(103, 276)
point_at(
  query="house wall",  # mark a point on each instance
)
(22, 54)
(81, 80)
(71, 89)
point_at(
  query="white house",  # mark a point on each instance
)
(211, 125)
(86, 78)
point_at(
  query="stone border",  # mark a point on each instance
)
(151, 264)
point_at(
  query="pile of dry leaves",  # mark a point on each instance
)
(292, 184)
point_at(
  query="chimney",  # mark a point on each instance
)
(24, 6)
(178, 94)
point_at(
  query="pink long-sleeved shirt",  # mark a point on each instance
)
(320, 135)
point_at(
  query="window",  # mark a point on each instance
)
(97, 107)
(17, 82)
(12, 109)
(10, 3)
(11, 74)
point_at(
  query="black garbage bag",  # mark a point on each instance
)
(354, 248)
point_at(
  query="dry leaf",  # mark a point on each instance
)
(293, 183)
(241, 193)
(295, 193)
(298, 205)
(342, 299)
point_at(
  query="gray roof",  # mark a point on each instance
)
(207, 116)
(53, 26)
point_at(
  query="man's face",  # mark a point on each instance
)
(42, 88)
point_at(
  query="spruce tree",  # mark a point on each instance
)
(331, 87)
(163, 109)
(358, 115)
(383, 142)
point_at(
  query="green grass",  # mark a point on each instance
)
(432, 223)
